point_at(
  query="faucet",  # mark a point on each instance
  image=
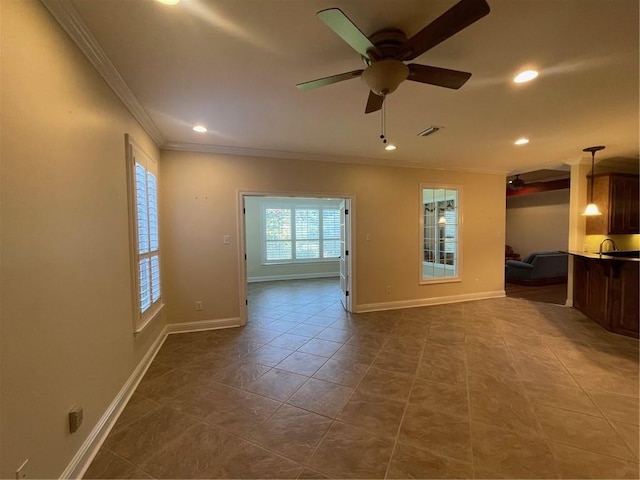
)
(613, 242)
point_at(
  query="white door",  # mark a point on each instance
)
(345, 233)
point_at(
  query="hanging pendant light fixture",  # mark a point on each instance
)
(592, 209)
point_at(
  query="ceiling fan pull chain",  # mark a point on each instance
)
(383, 120)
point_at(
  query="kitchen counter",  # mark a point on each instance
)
(606, 289)
(617, 256)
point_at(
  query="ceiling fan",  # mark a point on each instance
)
(516, 183)
(385, 51)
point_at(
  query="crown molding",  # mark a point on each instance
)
(71, 22)
(314, 157)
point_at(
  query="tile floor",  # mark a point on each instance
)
(503, 388)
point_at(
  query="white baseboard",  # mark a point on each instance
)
(85, 455)
(293, 276)
(425, 302)
(203, 325)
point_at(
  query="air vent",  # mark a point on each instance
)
(429, 131)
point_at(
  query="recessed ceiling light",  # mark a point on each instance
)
(525, 76)
(390, 147)
(169, 2)
(522, 141)
(200, 129)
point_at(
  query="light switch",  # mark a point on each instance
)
(227, 239)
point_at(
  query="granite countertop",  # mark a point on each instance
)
(604, 256)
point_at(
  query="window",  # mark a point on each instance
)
(300, 232)
(143, 199)
(440, 227)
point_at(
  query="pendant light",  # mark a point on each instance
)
(592, 209)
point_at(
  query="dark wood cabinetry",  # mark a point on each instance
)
(607, 291)
(616, 195)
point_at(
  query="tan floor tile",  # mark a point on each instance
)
(344, 373)
(577, 463)
(378, 414)
(411, 462)
(395, 386)
(348, 451)
(292, 432)
(409, 345)
(268, 355)
(617, 407)
(630, 434)
(444, 435)
(560, 396)
(302, 363)
(443, 364)
(321, 397)
(397, 363)
(310, 474)
(317, 346)
(583, 431)
(165, 386)
(511, 454)
(289, 341)
(144, 437)
(107, 464)
(441, 397)
(277, 384)
(137, 407)
(355, 353)
(196, 455)
(250, 461)
(503, 405)
(335, 335)
(240, 412)
(241, 374)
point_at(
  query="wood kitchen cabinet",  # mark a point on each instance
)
(616, 195)
(606, 291)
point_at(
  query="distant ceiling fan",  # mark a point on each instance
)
(516, 183)
(386, 50)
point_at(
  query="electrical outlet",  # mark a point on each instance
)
(389, 289)
(21, 471)
(198, 306)
(75, 418)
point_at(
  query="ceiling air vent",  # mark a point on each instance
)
(429, 131)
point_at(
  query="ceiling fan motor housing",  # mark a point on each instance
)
(383, 77)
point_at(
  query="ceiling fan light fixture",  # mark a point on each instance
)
(391, 147)
(525, 76)
(385, 76)
(521, 141)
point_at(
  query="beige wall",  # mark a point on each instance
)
(199, 193)
(67, 334)
(538, 222)
(257, 270)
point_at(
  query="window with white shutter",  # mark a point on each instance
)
(300, 230)
(143, 199)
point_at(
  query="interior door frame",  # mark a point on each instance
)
(242, 240)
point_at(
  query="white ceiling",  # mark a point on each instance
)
(232, 65)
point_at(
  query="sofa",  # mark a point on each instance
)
(539, 268)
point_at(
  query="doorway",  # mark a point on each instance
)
(289, 238)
